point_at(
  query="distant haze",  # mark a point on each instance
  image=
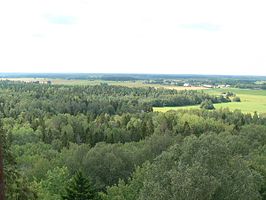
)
(140, 36)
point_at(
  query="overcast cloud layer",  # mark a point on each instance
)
(140, 36)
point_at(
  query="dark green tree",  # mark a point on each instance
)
(80, 189)
(207, 104)
(186, 129)
(255, 117)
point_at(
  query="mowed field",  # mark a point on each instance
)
(251, 101)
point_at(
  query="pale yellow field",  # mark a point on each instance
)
(27, 80)
(181, 87)
(97, 82)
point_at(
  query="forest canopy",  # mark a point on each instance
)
(108, 140)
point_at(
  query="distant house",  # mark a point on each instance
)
(221, 86)
(187, 85)
(208, 86)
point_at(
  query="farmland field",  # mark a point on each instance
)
(251, 101)
(138, 83)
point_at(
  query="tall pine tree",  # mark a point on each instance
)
(80, 189)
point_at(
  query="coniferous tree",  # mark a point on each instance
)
(255, 118)
(186, 129)
(80, 189)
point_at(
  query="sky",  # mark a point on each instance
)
(140, 36)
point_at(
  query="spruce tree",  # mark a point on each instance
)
(80, 189)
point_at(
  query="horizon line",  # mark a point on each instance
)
(133, 73)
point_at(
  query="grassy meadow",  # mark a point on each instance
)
(251, 101)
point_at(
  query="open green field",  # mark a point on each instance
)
(251, 101)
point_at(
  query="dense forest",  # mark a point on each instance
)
(105, 142)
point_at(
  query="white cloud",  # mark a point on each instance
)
(144, 36)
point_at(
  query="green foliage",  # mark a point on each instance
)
(123, 191)
(207, 104)
(107, 163)
(80, 189)
(200, 168)
(54, 184)
(16, 185)
(111, 135)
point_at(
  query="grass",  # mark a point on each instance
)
(251, 101)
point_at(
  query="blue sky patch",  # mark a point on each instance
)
(61, 19)
(201, 26)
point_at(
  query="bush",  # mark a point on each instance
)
(207, 104)
(236, 99)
